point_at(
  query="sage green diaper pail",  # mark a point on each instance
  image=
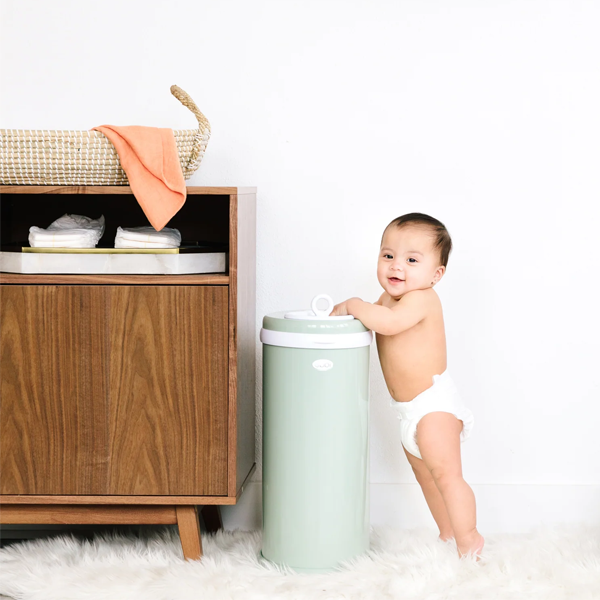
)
(315, 438)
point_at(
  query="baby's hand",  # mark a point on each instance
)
(341, 309)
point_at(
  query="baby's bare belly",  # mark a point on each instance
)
(410, 360)
(407, 389)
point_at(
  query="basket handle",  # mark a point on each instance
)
(185, 99)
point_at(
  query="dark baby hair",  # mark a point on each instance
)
(443, 241)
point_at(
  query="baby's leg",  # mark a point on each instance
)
(432, 495)
(438, 438)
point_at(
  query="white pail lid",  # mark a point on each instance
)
(314, 328)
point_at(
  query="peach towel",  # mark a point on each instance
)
(149, 157)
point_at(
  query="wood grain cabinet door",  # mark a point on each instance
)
(118, 390)
(53, 392)
(167, 415)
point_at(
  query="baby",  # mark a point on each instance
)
(409, 328)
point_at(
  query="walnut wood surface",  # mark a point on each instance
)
(114, 390)
(48, 279)
(57, 499)
(168, 390)
(189, 532)
(114, 189)
(88, 515)
(53, 351)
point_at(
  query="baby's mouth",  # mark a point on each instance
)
(395, 280)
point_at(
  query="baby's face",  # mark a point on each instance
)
(407, 261)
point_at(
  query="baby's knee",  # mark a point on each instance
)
(446, 476)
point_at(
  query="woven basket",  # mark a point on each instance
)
(86, 157)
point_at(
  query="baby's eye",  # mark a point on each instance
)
(413, 259)
(386, 255)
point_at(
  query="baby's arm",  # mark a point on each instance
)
(409, 311)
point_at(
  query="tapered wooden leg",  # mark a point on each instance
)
(189, 532)
(211, 513)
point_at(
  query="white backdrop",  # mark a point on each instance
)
(345, 115)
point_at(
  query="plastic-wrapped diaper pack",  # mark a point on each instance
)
(77, 231)
(69, 231)
(147, 237)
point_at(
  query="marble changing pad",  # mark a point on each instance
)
(113, 263)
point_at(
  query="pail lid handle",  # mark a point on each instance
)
(325, 312)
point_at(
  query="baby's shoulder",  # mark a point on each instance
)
(426, 298)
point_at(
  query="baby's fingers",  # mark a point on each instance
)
(338, 310)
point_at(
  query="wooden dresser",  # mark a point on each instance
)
(128, 398)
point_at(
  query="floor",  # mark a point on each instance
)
(551, 561)
(87, 531)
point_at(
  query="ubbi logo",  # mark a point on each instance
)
(322, 364)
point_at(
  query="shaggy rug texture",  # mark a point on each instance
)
(551, 563)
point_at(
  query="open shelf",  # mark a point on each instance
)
(204, 219)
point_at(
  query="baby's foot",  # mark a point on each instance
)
(445, 538)
(473, 549)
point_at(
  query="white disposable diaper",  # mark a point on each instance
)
(147, 237)
(442, 396)
(69, 231)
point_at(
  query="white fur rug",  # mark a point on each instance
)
(548, 564)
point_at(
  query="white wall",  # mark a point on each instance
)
(345, 115)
